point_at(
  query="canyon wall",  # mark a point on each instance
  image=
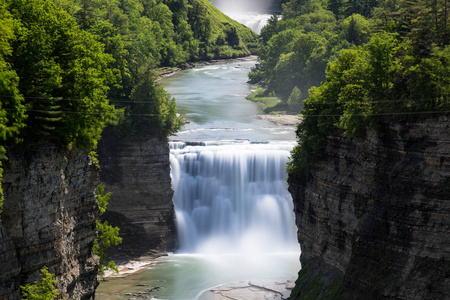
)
(137, 173)
(49, 220)
(373, 216)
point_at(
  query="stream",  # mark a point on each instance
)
(234, 213)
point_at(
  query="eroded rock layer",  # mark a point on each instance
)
(49, 220)
(374, 215)
(137, 173)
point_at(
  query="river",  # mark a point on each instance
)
(234, 213)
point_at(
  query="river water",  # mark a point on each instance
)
(234, 213)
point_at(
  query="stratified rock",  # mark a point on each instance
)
(48, 220)
(137, 172)
(373, 217)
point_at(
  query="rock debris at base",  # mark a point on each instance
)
(251, 290)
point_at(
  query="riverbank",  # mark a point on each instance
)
(114, 285)
(282, 119)
(132, 266)
(162, 73)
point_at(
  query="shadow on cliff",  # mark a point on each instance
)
(135, 240)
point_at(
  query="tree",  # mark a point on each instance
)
(356, 29)
(108, 235)
(41, 290)
(64, 75)
(295, 100)
(12, 109)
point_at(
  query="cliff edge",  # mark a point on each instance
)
(373, 216)
(137, 173)
(48, 219)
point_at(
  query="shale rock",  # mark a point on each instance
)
(373, 217)
(48, 220)
(137, 172)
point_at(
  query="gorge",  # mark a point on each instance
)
(230, 195)
(373, 216)
(370, 211)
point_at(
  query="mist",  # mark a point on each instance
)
(243, 6)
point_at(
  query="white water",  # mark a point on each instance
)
(251, 13)
(234, 213)
(253, 20)
(231, 197)
(233, 210)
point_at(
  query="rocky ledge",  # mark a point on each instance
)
(255, 289)
(373, 216)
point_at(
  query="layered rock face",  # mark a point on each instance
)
(374, 215)
(49, 220)
(137, 173)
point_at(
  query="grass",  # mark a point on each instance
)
(270, 104)
(220, 23)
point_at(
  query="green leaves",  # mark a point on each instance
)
(41, 290)
(108, 235)
(62, 73)
(382, 78)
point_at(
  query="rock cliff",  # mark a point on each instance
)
(137, 172)
(49, 220)
(373, 217)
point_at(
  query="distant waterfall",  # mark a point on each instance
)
(232, 197)
(252, 13)
(254, 21)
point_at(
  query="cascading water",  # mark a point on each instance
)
(231, 197)
(252, 13)
(233, 210)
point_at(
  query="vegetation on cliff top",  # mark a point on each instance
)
(390, 59)
(69, 68)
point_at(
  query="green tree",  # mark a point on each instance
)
(295, 100)
(108, 235)
(356, 29)
(41, 290)
(63, 73)
(12, 109)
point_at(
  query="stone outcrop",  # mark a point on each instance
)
(137, 173)
(49, 220)
(373, 217)
(254, 289)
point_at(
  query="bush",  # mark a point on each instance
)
(41, 290)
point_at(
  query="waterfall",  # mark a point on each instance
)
(254, 21)
(231, 197)
(252, 13)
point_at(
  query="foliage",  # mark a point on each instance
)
(270, 104)
(360, 61)
(378, 79)
(63, 75)
(108, 235)
(11, 106)
(142, 35)
(294, 51)
(295, 100)
(2, 156)
(64, 62)
(41, 290)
